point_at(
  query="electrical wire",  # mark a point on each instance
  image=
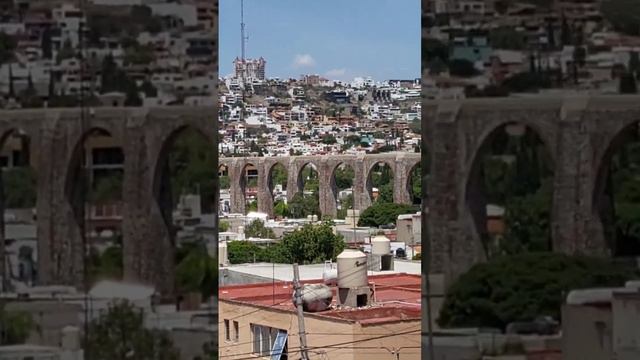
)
(297, 349)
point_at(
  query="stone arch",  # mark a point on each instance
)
(602, 202)
(270, 198)
(76, 194)
(25, 140)
(242, 181)
(75, 175)
(300, 168)
(158, 258)
(368, 181)
(475, 201)
(409, 181)
(334, 190)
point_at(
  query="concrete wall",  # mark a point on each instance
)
(587, 332)
(320, 333)
(626, 319)
(190, 341)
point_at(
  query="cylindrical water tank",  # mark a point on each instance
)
(223, 254)
(380, 245)
(352, 269)
(315, 297)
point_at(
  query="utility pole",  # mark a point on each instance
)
(298, 296)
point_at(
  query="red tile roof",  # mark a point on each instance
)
(397, 298)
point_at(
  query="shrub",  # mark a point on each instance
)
(522, 287)
(383, 213)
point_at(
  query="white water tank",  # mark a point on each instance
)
(315, 297)
(380, 245)
(352, 269)
(223, 253)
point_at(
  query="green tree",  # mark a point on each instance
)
(7, 47)
(242, 252)
(192, 167)
(634, 63)
(279, 176)
(120, 333)
(527, 222)
(622, 15)
(462, 68)
(197, 272)
(20, 187)
(383, 214)
(281, 209)
(223, 226)
(311, 244)
(344, 177)
(522, 287)
(627, 84)
(301, 206)
(66, 52)
(108, 188)
(257, 229)
(225, 182)
(329, 139)
(15, 327)
(506, 38)
(46, 44)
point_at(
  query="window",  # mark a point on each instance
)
(227, 336)
(236, 329)
(264, 339)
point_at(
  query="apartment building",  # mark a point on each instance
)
(260, 320)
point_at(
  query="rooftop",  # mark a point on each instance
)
(397, 298)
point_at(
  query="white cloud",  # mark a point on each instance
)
(303, 60)
(335, 74)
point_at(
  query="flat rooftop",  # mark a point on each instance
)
(397, 298)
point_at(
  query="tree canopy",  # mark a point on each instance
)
(120, 333)
(524, 286)
(383, 213)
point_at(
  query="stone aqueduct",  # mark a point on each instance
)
(581, 135)
(401, 165)
(57, 135)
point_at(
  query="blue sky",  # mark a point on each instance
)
(339, 39)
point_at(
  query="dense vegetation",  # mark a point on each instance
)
(384, 213)
(120, 332)
(308, 245)
(522, 287)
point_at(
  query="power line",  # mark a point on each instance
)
(311, 349)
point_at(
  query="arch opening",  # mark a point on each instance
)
(277, 178)
(18, 198)
(380, 183)
(224, 183)
(617, 193)
(342, 188)
(509, 191)
(249, 187)
(185, 191)
(306, 202)
(414, 184)
(94, 190)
